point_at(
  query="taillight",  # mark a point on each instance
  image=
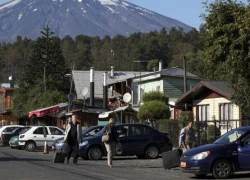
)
(21, 136)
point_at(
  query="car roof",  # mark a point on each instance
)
(3, 127)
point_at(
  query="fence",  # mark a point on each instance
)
(205, 131)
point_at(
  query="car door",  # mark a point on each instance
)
(136, 140)
(244, 153)
(40, 135)
(122, 139)
(54, 133)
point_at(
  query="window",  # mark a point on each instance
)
(9, 129)
(122, 131)
(135, 131)
(55, 131)
(226, 114)
(203, 112)
(41, 130)
(140, 130)
(247, 140)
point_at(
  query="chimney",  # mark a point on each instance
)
(112, 71)
(105, 91)
(160, 65)
(92, 86)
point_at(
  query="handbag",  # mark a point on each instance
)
(106, 137)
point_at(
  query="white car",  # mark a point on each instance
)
(37, 135)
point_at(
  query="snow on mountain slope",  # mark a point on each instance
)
(26, 18)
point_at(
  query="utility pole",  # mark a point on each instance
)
(185, 79)
(140, 89)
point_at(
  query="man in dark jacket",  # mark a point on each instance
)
(73, 138)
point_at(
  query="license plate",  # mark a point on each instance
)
(183, 164)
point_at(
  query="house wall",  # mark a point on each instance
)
(214, 113)
(152, 86)
(174, 86)
(214, 107)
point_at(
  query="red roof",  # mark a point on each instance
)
(52, 110)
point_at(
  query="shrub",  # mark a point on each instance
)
(153, 110)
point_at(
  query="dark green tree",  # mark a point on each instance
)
(226, 38)
(154, 107)
(42, 82)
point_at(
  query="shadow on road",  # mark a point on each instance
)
(235, 176)
(19, 159)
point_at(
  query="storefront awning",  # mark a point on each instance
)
(105, 114)
(119, 109)
(49, 111)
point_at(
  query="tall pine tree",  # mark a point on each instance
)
(43, 75)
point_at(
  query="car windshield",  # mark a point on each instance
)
(231, 136)
(24, 130)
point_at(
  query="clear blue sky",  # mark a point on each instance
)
(186, 11)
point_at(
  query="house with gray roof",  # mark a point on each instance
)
(169, 81)
(211, 101)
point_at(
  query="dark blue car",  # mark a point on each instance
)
(229, 154)
(90, 131)
(133, 139)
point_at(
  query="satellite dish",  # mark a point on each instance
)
(127, 97)
(10, 78)
(84, 91)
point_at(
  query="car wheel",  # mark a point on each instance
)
(222, 169)
(95, 153)
(30, 146)
(152, 152)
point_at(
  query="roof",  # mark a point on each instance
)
(82, 79)
(52, 110)
(221, 87)
(176, 71)
(119, 109)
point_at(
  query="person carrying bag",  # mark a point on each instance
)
(109, 139)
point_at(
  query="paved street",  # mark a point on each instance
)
(23, 165)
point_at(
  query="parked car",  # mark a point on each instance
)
(6, 132)
(58, 144)
(228, 154)
(14, 140)
(133, 139)
(37, 135)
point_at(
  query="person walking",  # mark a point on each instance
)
(187, 137)
(110, 145)
(73, 138)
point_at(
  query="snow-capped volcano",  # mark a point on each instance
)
(26, 18)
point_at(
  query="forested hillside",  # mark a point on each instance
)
(120, 51)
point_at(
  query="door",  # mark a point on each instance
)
(122, 135)
(40, 135)
(135, 141)
(244, 153)
(54, 133)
